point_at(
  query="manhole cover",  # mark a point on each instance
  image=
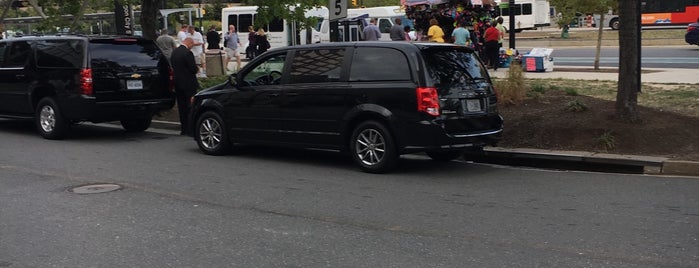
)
(96, 188)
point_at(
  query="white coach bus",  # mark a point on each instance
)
(279, 32)
(529, 14)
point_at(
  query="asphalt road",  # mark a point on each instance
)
(651, 57)
(292, 208)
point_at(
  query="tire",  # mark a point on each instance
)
(444, 156)
(211, 134)
(614, 24)
(136, 124)
(49, 121)
(372, 147)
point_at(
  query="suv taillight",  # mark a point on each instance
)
(171, 80)
(86, 81)
(427, 100)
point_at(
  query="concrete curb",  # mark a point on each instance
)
(582, 160)
(642, 164)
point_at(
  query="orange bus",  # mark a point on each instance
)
(664, 13)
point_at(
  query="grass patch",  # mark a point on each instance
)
(607, 140)
(680, 98)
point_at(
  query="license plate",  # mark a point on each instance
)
(134, 84)
(472, 106)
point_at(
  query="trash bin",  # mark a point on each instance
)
(215, 62)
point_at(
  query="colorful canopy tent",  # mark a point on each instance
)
(422, 2)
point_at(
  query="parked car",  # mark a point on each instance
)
(692, 35)
(65, 79)
(375, 100)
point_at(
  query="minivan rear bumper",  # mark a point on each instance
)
(429, 136)
(88, 109)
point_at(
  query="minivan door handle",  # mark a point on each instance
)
(20, 76)
(292, 94)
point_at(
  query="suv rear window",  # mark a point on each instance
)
(108, 53)
(450, 66)
(60, 53)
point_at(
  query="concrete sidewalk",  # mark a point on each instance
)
(648, 75)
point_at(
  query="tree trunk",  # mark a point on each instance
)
(149, 18)
(599, 40)
(36, 7)
(629, 61)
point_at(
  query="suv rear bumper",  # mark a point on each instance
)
(88, 109)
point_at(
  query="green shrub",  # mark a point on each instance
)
(513, 89)
(571, 91)
(576, 106)
(607, 140)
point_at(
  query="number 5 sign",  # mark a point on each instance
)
(337, 9)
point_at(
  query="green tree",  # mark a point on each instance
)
(282, 9)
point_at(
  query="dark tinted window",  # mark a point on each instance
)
(19, 53)
(317, 66)
(60, 53)
(276, 25)
(379, 64)
(107, 53)
(527, 9)
(449, 67)
(244, 21)
(3, 49)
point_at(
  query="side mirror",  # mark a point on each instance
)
(232, 79)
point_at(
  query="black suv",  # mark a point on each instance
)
(376, 100)
(61, 80)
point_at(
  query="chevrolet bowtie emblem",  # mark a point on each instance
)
(136, 76)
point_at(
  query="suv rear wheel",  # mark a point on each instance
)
(49, 121)
(136, 124)
(211, 135)
(373, 148)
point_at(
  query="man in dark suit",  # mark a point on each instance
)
(186, 83)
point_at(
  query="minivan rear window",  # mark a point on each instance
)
(114, 53)
(60, 53)
(379, 64)
(450, 66)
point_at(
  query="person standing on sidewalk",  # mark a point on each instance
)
(213, 38)
(435, 33)
(166, 44)
(371, 31)
(198, 50)
(396, 31)
(492, 51)
(502, 30)
(232, 44)
(461, 36)
(185, 75)
(251, 51)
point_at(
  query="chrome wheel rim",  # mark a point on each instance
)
(210, 133)
(370, 147)
(47, 118)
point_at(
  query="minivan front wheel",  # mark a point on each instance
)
(49, 121)
(211, 135)
(373, 148)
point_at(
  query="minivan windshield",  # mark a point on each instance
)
(449, 66)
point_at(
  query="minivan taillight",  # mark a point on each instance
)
(86, 81)
(427, 100)
(691, 28)
(171, 80)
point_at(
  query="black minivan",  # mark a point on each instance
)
(375, 100)
(58, 80)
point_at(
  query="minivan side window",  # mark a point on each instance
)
(19, 53)
(379, 64)
(60, 53)
(267, 72)
(316, 66)
(3, 50)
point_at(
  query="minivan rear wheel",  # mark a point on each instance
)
(373, 148)
(211, 134)
(49, 121)
(136, 124)
(444, 156)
